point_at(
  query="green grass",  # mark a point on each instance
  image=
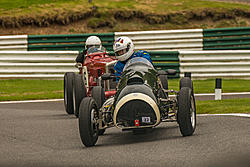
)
(20, 89)
(29, 8)
(223, 106)
(163, 6)
(15, 4)
(9, 7)
(208, 86)
(183, 14)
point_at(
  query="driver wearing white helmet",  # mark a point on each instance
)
(124, 50)
(91, 41)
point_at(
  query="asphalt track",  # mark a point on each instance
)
(42, 134)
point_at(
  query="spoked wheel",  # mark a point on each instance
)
(88, 121)
(98, 95)
(186, 115)
(68, 92)
(79, 92)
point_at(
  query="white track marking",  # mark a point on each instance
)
(230, 114)
(225, 94)
(30, 101)
(51, 100)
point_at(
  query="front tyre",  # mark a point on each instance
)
(186, 115)
(88, 117)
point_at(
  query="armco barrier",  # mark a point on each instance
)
(226, 38)
(66, 42)
(164, 60)
(36, 64)
(211, 64)
(202, 64)
(15, 42)
(160, 44)
(163, 40)
(53, 64)
(166, 40)
(143, 40)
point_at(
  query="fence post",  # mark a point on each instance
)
(218, 89)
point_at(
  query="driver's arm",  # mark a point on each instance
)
(144, 54)
(118, 67)
(80, 57)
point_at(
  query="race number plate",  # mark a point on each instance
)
(145, 119)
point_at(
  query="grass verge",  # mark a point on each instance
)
(156, 6)
(223, 106)
(208, 86)
(25, 89)
(118, 15)
(21, 89)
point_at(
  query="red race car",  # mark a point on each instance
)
(88, 82)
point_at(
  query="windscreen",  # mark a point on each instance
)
(138, 61)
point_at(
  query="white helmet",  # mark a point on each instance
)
(123, 48)
(92, 41)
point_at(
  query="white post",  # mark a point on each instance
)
(217, 89)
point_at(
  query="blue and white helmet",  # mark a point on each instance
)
(123, 48)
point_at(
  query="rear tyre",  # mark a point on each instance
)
(186, 82)
(68, 92)
(98, 95)
(79, 92)
(88, 118)
(186, 115)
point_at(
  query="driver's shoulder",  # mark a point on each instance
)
(141, 53)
